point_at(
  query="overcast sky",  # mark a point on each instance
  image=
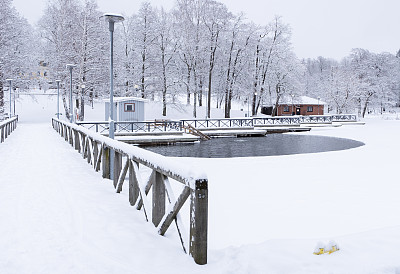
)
(329, 28)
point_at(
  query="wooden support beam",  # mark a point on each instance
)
(167, 220)
(122, 176)
(98, 161)
(199, 222)
(106, 162)
(133, 184)
(158, 198)
(117, 167)
(77, 141)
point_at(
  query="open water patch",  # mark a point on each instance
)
(270, 145)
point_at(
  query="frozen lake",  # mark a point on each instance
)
(273, 144)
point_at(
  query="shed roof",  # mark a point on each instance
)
(301, 100)
(124, 99)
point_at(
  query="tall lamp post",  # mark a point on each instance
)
(58, 98)
(112, 19)
(292, 104)
(10, 84)
(71, 106)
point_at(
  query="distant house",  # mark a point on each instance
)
(301, 105)
(126, 109)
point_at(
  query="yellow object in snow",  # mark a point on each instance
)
(334, 248)
(320, 251)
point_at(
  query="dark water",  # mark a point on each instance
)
(273, 144)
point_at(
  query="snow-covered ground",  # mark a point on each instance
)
(266, 214)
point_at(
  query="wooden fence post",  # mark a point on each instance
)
(133, 184)
(158, 198)
(77, 142)
(106, 162)
(117, 167)
(199, 222)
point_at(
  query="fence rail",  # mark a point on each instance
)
(6, 127)
(225, 123)
(133, 126)
(128, 160)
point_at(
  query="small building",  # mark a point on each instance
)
(126, 109)
(300, 105)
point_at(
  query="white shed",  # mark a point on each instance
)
(126, 109)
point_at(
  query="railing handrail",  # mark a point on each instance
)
(148, 158)
(7, 126)
(87, 142)
(9, 120)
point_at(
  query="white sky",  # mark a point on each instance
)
(329, 28)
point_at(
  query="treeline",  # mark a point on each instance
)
(201, 51)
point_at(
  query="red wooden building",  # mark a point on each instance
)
(301, 105)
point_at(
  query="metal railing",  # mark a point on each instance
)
(133, 126)
(219, 123)
(282, 120)
(128, 163)
(344, 118)
(225, 123)
(6, 127)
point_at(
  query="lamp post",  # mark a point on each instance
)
(206, 91)
(10, 84)
(71, 107)
(82, 103)
(112, 19)
(254, 105)
(318, 104)
(292, 104)
(58, 98)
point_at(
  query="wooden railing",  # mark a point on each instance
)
(6, 127)
(128, 163)
(133, 126)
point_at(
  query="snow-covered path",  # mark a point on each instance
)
(59, 216)
(266, 214)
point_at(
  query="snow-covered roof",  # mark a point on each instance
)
(124, 99)
(301, 100)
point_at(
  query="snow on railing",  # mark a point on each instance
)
(6, 127)
(97, 149)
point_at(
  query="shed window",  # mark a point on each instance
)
(309, 109)
(286, 108)
(129, 107)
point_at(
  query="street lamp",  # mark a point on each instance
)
(82, 105)
(292, 104)
(58, 98)
(10, 84)
(318, 104)
(255, 103)
(71, 107)
(206, 91)
(112, 19)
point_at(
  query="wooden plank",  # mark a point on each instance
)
(167, 220)
(95, 150)
(98, 161)
(178, 220)
(146, 206)
(199, 222)
(158, 199)
(133, 184)
(122, 176)
(106, 162)
(147, 188)
(117, 167)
